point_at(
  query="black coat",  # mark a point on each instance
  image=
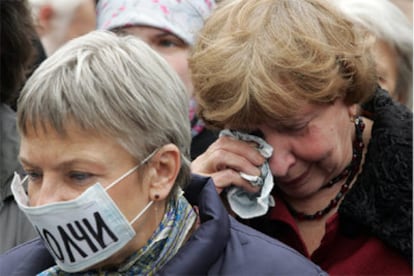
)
(381, 200)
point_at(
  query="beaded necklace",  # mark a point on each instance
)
(350, 171)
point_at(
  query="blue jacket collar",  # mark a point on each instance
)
(210, 238)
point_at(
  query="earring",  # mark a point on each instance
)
(156, 197)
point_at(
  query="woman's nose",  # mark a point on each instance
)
(280, 162)
(45, 192)
(282, 158)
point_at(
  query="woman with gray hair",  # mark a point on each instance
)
(105, 145)
(393, 49)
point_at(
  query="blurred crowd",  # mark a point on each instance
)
(297, 113)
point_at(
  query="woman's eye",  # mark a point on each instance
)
(79, 176)
(33, 175)
(167, 43)
(294, 129)
(297, 128)
(257, 133)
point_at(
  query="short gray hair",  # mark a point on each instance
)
(116, 86)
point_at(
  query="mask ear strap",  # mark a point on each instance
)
(130, 171)
(122, 177)
(141, 213)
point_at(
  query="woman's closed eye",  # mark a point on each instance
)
(294, 129)
(257, 133)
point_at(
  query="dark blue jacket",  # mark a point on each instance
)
(220, 246)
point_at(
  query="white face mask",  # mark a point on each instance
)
(82, 232)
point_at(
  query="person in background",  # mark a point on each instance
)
(407, 8)
(170, 28)
(58, 21)
(105, 144)
(17, 52)
(393, 49)
(298, 76)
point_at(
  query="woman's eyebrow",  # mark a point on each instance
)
(64, 164)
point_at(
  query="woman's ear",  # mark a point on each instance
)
(45, 17)
(165, 166)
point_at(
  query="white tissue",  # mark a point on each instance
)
(247, 205)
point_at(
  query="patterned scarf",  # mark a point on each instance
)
(160, 248)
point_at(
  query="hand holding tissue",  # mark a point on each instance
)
(247, 205)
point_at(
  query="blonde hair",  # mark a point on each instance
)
(259, 60)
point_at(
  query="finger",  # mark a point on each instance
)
(222, 160)
(227, 178)
(229, 153)
(246, 149)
